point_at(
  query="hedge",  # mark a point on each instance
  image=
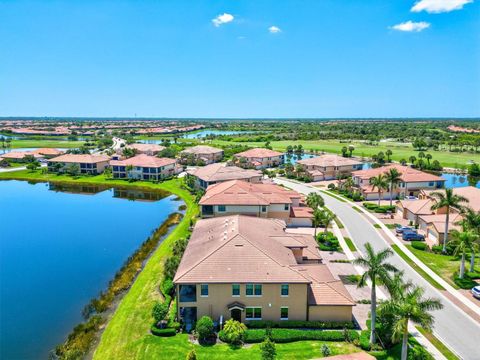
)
(419, 245)
(291, 335)
(163, 332)
(379, 209)
(292, 324)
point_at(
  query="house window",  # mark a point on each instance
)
(264, 208)
(221, 208)
(284, 313)
(431, 183)
(188, 293)
(286, 207)
(253, 313)
(204, 290)
(253, 290)
(235, 289)
(284, 290)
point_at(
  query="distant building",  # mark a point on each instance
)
(260, 200)
(328, 167)
(48, 152)
(259, 158)
(412, 182)
(88, 164)
(217, 173)
(19, 156)
(147, 149)
(248, 269)
(144, 167)
(206, 154)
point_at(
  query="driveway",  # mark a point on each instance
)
(452, 326)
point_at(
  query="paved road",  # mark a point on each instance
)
(456, 329)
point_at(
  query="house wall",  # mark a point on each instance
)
(220, 296)
(330, 313)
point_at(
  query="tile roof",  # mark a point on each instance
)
(408, 174)
(258, 153)
(418, 207)
(329, 161)
(18, 155)
(48, 151)
(202, 149)
(470, 192)
(438, 221)
(143, 160)
(238, 192)
(80, 158)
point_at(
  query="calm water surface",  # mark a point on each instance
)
(58, 249)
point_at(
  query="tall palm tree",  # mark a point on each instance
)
(410, 305)
(463, 242)
(471, 221)
(317, 220)
(393, 177)
(377, 270)
(412, 160)
(447, 200)
(327, 218)
(315, 200)
(389, 153)
(380, 183)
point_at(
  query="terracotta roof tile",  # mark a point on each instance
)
(143, 160)
(329, 161)
(408, 174)
(258, 153)
(220, 172)
(80, 158)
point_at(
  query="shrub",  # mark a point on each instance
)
(192, 355)
(292, 324)
(418, 352)
(437, 249)
(204, 328)
(234, 332)
(291, 335)
(163, 332)
(331, 186)
(325, 350)
(160, 311)
(419, 245)
(167, 287)
(364, 341)
(268, 349)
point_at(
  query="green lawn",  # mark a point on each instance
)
(438, 344)
(417, 268)
(400, 150)
(350, 244)
(45, 144)
(443, 265)
(152, 347)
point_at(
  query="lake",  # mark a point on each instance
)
(199, 135)
(59, 247)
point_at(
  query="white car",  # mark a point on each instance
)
(476, 291)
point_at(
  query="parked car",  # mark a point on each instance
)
(401, 229)
(412, 236)
(476, 292)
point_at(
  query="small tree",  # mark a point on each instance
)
(234, 331)
(267, 347)
(34, 165)
(204, 328)
(325, 350)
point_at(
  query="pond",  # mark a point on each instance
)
(5, 151)
(59, 247)
(459, 180)
(199, 135)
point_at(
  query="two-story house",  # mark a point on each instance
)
(251, 269)
(266, 200)
(144, 167)
(203, 153)
(329, 166)
(259, 158)
(147, 149)
(412, 181)
(88, 163)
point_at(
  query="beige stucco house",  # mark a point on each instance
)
(206, 154)
(250, 269)
(89, 164)
(329, 166)
(259, 158)
(144, 167)
(217, 173)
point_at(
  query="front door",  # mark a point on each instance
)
(236, 314)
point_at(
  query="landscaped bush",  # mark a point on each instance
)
(291, 335)
(160, 311)
(167, 287)
(163, 332)
(364, 340)
(466, 283)
(419, 245)
(327, 241)
(204, 329)
(292, 324)
(382, 209)
(233, 332)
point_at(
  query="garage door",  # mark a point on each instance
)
(432, 236)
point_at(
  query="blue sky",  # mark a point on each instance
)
(322, 58)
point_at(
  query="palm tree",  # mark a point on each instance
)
(428, 157)
(388, 153)
(379, 182)
(410, 305)
(315, 200)
(463, 242)
(327, 218)
(471, 221)
(412, 160)
(447, 200)
(317, 220)
(393, 176)
(376, 270)
(351, 148)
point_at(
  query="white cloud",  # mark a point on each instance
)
(439, 6)
(222, 19)
(274, 30)
(410, 26)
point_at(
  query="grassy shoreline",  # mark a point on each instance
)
(45, 144)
